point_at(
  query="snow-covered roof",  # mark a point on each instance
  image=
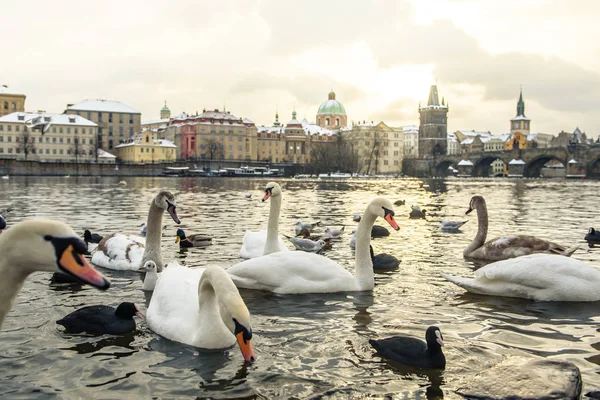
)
(155, 121)
(313, 129)
(138, 142)
(572, 161)
(247, 121)
(105, 154)
(520, 118)
(516, 162)
(410, 129)
(55, 119)
(467, 141)
(103, 106)
(270, 129)
(465, 162)
(474, 133)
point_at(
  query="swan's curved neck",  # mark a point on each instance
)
(10, 284)
(153, 237)
(363, 270)
(272, 244)
(210, 288)
(482, 228)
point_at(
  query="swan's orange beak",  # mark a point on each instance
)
(245, 347)
(75, 264)
(390, 219)
(267, 195)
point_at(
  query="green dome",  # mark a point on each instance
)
(331, 106)
(165, 108)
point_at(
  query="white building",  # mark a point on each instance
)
(453, 144)
(411, 141)
(66, 137)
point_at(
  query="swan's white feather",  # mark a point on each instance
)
(122, 252)
(254, 244)
(542, 277)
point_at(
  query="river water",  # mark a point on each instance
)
(307, 346)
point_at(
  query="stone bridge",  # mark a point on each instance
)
(579, 161)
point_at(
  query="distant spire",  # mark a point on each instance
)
(521, 104)
(276, 123)
(443, 100)
(433, 96)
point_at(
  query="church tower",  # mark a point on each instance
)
(165, 113)
(520, 123)
(433, 126)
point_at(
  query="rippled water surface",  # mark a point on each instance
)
(308, 346)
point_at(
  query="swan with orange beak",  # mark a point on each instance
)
(41, 245)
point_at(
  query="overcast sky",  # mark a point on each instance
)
(254, 57)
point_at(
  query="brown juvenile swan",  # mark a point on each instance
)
(509, 246)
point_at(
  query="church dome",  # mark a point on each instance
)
(165, 108)
(331, 106)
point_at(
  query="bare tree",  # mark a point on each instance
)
(76, 148)
(338, 155)
(26, 142)
(215, 149)
(373, 153)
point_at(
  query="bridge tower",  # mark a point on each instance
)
(433, 126)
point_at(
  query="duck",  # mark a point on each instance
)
(248, 196)
(200, 308)
(192, 240)
(308, 226)
(301, 272)
(412, 351)
(41, 245)
(256, 244)
(541, 277)
(101, 319)
(151, 277)
(592, 237)
(383, 261)
(416, 212)
(509, 246)
(89, 237)
(2, 224)
(399, 202)
(451, 226)
(124, 252)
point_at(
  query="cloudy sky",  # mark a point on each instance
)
(254, 57)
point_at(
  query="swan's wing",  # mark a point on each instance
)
(253, 244)
(520, 245)
(120, 252)
(290, 272)
(174, 303)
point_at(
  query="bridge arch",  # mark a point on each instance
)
(483, 166)
(442, 168)
(534, 166)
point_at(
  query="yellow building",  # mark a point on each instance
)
(10, 102)
(116, 121)
(517, 140)
(146, 148)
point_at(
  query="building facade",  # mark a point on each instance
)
(146, 148)
(380, 148)
(411, 141)
(331, 113)
(212, 135)
(68, 138)
(10, 102)
(116, 121)
(433, 126)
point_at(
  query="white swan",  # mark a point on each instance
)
(543, 277)
(124, 252)
(300, 272)
(41, 245)
(504, 247)
(201, 308)
(267, 241)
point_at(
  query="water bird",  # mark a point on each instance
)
(412, 351)
(416, 212)
(40, 123)
(201, 308)
(123, 183)
(5, 176)
(312, 246)
(129, 252)
(333, 233)
(41, 245)
(196, 240)
(256, 244)
(509, 246)
(399, 202)
(248, 196)
(101, 319)
(2, 224)
(89, 237)
(304, 225)
(151, 277)
(542, 277)
(451, 226)
(301, 272)
(377, 230)
(383, 261)
(592, 237)
(143, 229)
